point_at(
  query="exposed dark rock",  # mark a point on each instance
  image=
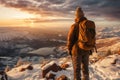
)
(62, 77)
(64, 66)
(22, 69)
(52, 67)
(50, 76)
(3, 75)
(30, 67)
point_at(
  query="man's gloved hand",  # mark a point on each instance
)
(69, 52)
(91, 52)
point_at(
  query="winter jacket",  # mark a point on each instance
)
(73, 33)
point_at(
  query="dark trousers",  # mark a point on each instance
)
(80, 59)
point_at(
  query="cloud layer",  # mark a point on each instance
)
(108, 9)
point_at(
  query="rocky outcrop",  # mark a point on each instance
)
(50, 76)
(3, 75)
(52, 66)
(62, 77)
(64, 66)
(29, 67)
(49, 70)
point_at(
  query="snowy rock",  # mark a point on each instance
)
(62, 77)
(19, 62)
(7, 69)
(30, 67)
(22, 69)
(50, 76)
(52, 66)
(64, 66)
(3, 75)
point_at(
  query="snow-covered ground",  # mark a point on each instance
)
(105, 69)
(106, 44)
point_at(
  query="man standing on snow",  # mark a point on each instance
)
(80, 56)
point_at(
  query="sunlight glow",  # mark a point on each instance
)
(7, 13)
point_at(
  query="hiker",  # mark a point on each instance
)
(80, 43)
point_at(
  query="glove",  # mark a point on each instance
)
(69, 52)
(91, 52)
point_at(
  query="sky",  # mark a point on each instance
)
(57, 13)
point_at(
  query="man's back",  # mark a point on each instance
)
(80, 57)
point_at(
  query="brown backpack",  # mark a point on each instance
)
(86, 37)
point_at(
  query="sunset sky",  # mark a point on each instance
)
(57, 13)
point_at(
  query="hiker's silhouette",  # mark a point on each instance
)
(80, 42)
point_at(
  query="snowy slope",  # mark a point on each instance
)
(106, 44)
(106, 69)
(15, 73)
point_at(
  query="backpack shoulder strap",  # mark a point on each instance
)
(83, 22)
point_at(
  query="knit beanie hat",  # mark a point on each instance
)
(79, 13)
